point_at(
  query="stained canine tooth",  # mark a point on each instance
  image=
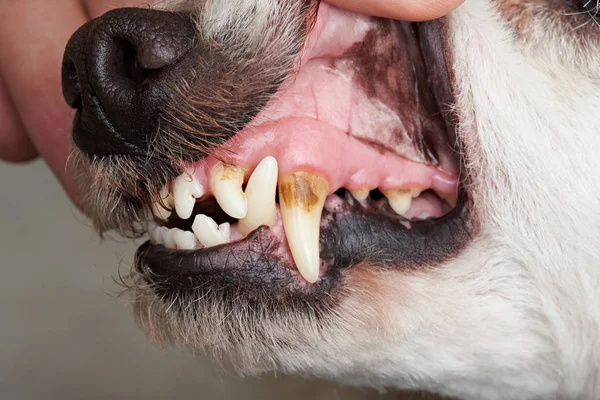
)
(401, 199)
(301, 199)
(186, 189)
(260, 192)
(157, 208)
(208, 233)
(226, 185)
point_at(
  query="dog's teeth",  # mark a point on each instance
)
(154, 233)
(226, 185)
(158, 210)
(184, 240)
(260, 192)
(302, 197)
(451, 199)
(401, 199)
(225, 231)
(150, 226)
(186, 189)
(208, 233)
(167, 238)
(360, 194)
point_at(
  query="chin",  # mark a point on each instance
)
(410, 206)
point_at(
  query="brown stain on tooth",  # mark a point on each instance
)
(229, 171)
(303, 189)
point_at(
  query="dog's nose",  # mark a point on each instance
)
(119, 71)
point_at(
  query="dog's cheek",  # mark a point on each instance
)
(558, 38)
(380, 299)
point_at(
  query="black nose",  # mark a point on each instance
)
(119, 71)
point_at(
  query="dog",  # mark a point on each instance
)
(394, 205)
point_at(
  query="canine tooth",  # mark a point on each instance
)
(186, 189)
(208, 233)
(302, 197)
(360, 194)
(401, 199)
(260, 192)
(158, 210)
(226, 185)
(167, 237)
(184, 240)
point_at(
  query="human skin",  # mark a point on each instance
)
(34, 119)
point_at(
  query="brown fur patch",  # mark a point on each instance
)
(524, 16)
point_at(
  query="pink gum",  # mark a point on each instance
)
(308, 145)
(306, 126)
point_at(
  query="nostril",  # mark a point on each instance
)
(71, 85)
(119, 71)
(146, 44)
(130, 64)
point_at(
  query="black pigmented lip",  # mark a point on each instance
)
(354, 235)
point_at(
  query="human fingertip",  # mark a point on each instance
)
(407, 10)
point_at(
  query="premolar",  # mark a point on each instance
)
(166, 237)
(401, 199)
(226, 185)
(301, 198)
(360, 194)
(208, 233)
(184, 240)
(260, 191)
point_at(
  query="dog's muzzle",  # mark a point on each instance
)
(276, 158)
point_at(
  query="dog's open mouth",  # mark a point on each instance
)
(350, 163)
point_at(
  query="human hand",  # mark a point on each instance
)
(34, 119)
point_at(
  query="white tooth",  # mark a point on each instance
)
(401, 199)
(207, 231)
(225, 231)
(260, 191)
(167, 237)
(301, 199)
(184, 240)
(226, 185)
(186, 189)
(150, 225)
(154, 233)
(158, 210)
(360, 194)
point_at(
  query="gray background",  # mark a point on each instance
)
(63, 333)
